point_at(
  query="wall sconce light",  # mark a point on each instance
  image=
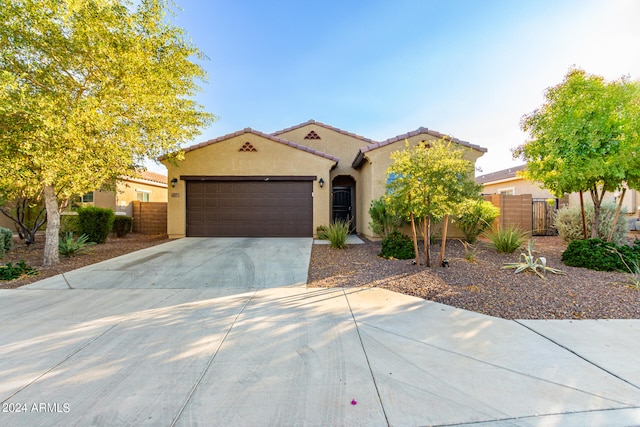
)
(174, 181)
(321, 182)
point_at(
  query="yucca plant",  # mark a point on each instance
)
(528, 262)
(68, 246)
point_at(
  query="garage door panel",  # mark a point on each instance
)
(250, 208)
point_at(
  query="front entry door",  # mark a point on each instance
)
(342, 204)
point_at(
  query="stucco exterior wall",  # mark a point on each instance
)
(223, 158)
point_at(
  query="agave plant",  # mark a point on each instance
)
(528, 262)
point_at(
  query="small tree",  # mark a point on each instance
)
(584, 138)
(430, 179)
(88, 90)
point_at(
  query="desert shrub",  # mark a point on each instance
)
(68, 246)
(596, 254)
(321, 231)
(474, 217)
(6, 241)
(10, 271)
(96, 223)
(337, 234)
(568, 222)
(69, 223)
(122, 225)
(383, 221)
(397, 245)
(506, 239)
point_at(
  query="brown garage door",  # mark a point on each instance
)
(249, 208)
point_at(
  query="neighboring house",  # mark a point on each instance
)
(508, 182)
(149, 187)
(287, 183)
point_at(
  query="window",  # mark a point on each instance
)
(88, 198)
(143, 195)
(507, 191)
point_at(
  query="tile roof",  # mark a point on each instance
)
(313, 122)
(264, 135)
(153, 176)
(499, 175)
(420, 131)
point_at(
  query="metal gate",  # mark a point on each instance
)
(544, 211)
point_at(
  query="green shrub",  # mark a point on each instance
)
(96, 223)
(397, 245)
(596, 254)
(383, 221)
(10, 271)
(68, 246)
(337, 234)
(122, 225)
(474, 217)
(69, 223)
(321, 231)
(568, 222)
(506, 239)
(6, 241)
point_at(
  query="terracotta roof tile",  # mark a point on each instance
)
(264, 135)
(421, 130)
(335, 129)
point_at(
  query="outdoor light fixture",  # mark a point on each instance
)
(174, 181)
(321, 182)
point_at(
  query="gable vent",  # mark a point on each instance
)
(247, 147)
(312, 135)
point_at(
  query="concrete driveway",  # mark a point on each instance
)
(224, 332)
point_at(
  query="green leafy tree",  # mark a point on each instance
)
(430, 180)
(585, 138)
(88, 90)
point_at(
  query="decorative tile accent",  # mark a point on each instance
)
(312, 135)
(247, 147)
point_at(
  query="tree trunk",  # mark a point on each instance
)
(444, 238)
(415, 238)
(51, 255)
(615, 218)
(597, 203)
(584, 220)
(427, 241)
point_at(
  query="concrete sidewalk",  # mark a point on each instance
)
(83, 354)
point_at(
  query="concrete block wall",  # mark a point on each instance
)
(514, 210)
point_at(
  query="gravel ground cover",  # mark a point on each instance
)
(481, 284)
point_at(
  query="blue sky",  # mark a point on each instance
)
(470, 69)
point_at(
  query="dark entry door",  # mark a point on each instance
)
(342, 204)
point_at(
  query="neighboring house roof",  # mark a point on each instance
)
(357, 162)
(153, 176)
(264, 135)
(335, 129)
(500, 176)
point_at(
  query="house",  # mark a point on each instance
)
(148, 187)
(508, 182)
(286, 183)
